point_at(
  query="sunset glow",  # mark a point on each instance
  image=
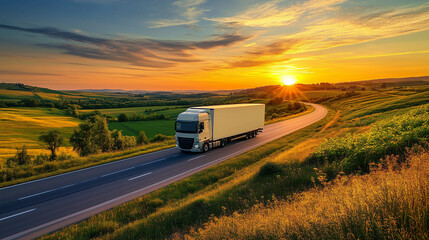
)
(288, 80)
(209, 45)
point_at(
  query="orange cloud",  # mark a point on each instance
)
(271, 15)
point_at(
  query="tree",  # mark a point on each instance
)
(21, 157)
(81, 139)
(142, 138)
(92, 136)
(53, 140)
(123, 117)
(101, 134)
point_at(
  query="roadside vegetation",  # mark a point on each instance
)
(270, 185)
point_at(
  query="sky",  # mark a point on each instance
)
(209, 44)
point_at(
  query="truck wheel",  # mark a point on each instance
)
(205, 147)
(222, 143)
(247, 136)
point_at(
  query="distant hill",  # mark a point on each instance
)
(27, 88)
(423, 80)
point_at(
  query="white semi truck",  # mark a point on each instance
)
(199, 129)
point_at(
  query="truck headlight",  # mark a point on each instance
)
(196, 146)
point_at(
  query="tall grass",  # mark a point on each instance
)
(385, 204)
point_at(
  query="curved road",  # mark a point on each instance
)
(31, 209)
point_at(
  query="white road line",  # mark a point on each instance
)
(192, 159)
(123, 170)
(144, 164)
(40, 193)
(87, 180)
(139, 176)
(83, 169)
(17, 214)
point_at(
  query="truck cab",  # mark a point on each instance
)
(193, 130)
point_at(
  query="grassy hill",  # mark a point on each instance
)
(277, 189)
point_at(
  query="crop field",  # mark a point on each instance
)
(22, 126)
(14, 94)
(151, 128)
(171, 111)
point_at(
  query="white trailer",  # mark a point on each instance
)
(199, 129)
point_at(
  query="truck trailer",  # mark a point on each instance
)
(199, 129)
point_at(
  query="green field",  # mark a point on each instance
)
(171, 111)
(22, 126)
(151, 128)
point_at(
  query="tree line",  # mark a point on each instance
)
(90, 137)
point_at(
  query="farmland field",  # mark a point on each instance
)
(171, 111)
(151, 128)
(22, 126)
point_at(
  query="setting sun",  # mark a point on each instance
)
(288, 80)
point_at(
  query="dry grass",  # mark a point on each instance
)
(385, 204)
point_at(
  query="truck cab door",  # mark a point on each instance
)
(204, 131)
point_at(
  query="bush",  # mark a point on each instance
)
(270, 169)
(123, 117)
(21, 157)
(159, 138)
(142, 138)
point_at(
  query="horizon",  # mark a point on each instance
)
(206, 45)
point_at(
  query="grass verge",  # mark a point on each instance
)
(385, 204)
(59, 167)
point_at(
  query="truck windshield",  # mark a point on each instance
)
(186, 127)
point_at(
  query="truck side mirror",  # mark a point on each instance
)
(201, 127)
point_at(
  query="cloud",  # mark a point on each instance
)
(270, 14)
(9, 72)
(347, 29)
(140, 52)
(189, 13)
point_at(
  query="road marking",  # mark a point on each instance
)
(88, 180)
(144, 164)
(83, 169)
(40, 193)
(17, 214)
(140, 176)
(192, 159)
(123, 170)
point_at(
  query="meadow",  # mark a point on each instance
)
(250, 185)
(22, 126)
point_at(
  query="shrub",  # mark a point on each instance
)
(159, 138)
(270, 169)
(142, 138)
(123, 117)
(21, 157)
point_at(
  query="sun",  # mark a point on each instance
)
(288, 80)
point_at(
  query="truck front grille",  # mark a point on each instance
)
(186, 143)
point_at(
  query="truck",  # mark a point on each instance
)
(200, 129)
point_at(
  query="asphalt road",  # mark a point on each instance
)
(31, 209)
